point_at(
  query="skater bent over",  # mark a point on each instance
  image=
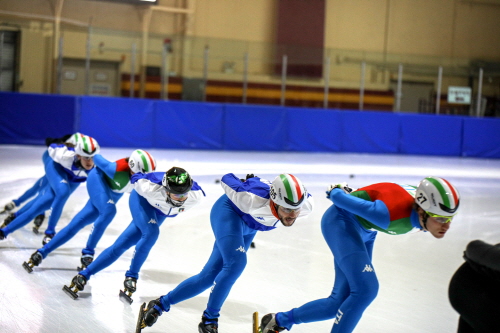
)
(247, 206)
(350, 226)
(106, 184)
(155, 197)
(65, 169)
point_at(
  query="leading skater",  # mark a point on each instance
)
(350, 226)
(65, 169)
(155, 197)
(106, 184)
(247, 206)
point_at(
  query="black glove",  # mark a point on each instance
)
(250, 175)
(49, 141)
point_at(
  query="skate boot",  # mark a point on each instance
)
(268, 324)
(47, 239)
(130, 286)
(35, 260)
(208, 325)
(148, 315)
(8, 207)
(86, 260)
(8, 219)
(78, 282)
(38, 222)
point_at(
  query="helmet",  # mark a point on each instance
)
(437, 196)
(74, 138)
(287, 191)
(141, 161)
(86, 146)
(177, 181)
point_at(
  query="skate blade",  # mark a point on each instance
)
(79, 269)
(70, 292)
(140, 318)
(255, 322)
(35, 230)
(126, 297)
(27, 267)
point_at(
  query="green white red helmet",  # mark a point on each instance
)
(287, 191)
(77, 137)
(86, 146)
(437, 196)
(141, 161)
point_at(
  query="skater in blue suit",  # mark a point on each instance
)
(156, 196)
(65, 169)
(247, 206)
(350, 227)
(106, 184)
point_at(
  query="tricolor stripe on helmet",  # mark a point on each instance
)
(447, 192)
(89, 145)
(292, 186)
(147, 160)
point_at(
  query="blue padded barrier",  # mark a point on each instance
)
(314, 130)
(370, 132)
(481, 137)
(124, 122)
(30, 118)
(431, 135)
(185, 125)
(118, 122)
(253, 127)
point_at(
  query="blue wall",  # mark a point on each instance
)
(123, 122)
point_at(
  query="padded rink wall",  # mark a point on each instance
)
(144, 123)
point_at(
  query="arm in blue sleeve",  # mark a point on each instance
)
(108, 167)
(374, 211)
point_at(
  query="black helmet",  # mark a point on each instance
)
(177, 181)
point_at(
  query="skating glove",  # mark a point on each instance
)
(250, 175)
(343, 186)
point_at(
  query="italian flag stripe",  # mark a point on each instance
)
(151, 161)
(292, 187)
(452, 189)
(442, 191)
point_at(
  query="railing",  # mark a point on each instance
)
(210, 69)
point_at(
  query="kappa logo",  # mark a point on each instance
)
(117, 183)
(241, 249)
(64, 181)
(153, 221)
(260, 218)
(391, 232)
(110, 201)
(338, 317)
(368, 268)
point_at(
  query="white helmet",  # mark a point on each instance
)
(86, 146)
(287, 191)
(141, 161)
(73, 139)
(437, 196)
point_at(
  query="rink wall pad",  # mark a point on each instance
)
(144, 123)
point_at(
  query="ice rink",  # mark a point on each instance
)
(288, 266)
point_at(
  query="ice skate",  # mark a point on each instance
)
(47, 239)
(268, 324)
(130, 286)
(148, 315)
(8, 207)
(78, 283)
(208, 325)
(86, 260)
(38, 222)
(8, 219)
(35, 260)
